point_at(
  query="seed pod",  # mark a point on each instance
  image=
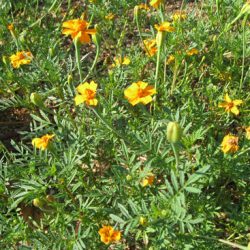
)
(174, 132)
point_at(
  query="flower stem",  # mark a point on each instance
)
(94, 63)
(176, 155)
(78, 60)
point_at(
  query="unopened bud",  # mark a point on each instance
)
(51, 52)
(38, 203)
(142, 220)
(4, 58)
(128, 177)
(96, 37)
(36, 99)
(70, 79)
(50, 198)
(174, 132)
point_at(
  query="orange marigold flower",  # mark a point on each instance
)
(192, 51)
(121, 61)
(230, 105)
(78, 29)
(155, 3)
(139, 92)
(11, 27)
(43, 142)
(248, 133)
(143, 6)
(87, 94)
(110, 16)
(229, 144)
(170, 59)
(109, 235)
(165, 26)
(179, 15)
(21, 57)
(148, 180)
(150, 45)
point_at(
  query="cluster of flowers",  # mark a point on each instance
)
(137, 92)
(230, 142)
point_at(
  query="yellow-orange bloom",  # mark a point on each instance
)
(87, 94)
(21, 57)
(179, 15)
(78, 29)
(170, 59)
(121, 61)
(230, 105)
(110, 16)
(164, 27)
(150, 45)
(248, 133)
(155, 3)
(148, 180)
(143, 6)
(43, 142)
(229, 144)
(192, 51)
(11, 27)
(109, 235)
(139, 92)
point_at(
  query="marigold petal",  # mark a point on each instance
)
(235, 110)
(79, 99)
(237, 102)
(227, 98)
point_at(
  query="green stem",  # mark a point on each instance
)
(176, 155)
(174, 77)
(78, 60)
(99, 116)
(157, 65)
(139, 31)
(94, 63)
(244, 50)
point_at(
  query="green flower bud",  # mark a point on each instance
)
(128, 177)
(38, 203)
(4, 58)
(70, 79)
(174, 132)
(96, 38)
(36, 99)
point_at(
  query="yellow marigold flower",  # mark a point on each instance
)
(139, 92)
(87, 94)
(179, 15)
(78, 29)
(21, 57)
(121, 61)
(148, 181)
(248, 133)
(110, 16)
(109, 235)
(230, 105)
(150, 45)
(11, 27)
(229, 144)
(170, 59)
(143, 6)
(192, 51)
(165, 26)
(155, 3)
(43, 142)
